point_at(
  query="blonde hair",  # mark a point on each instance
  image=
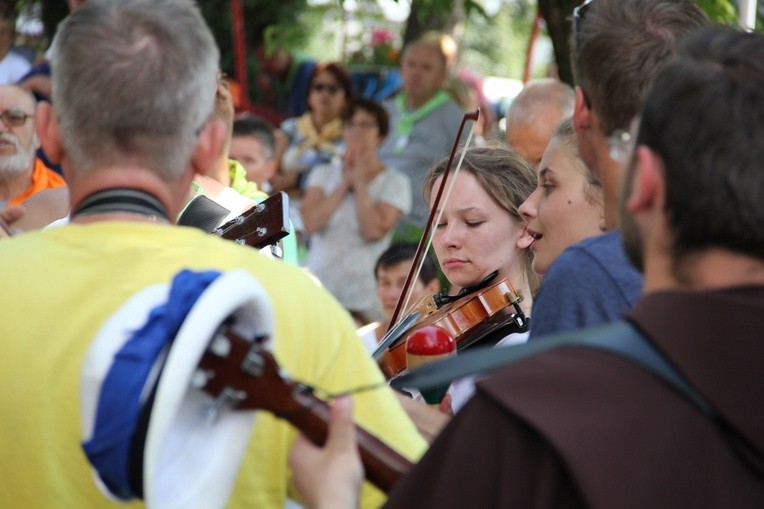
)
(507, 178)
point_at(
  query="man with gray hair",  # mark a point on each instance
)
(534, 114)
(133, 89)
(21, 173)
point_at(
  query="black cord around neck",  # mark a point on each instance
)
(122, 200)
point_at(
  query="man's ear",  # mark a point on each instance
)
(271, 165)
(647, 181)
(209, 143)
(48, 133)
(582, 112)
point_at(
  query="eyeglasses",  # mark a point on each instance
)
(15, 117)
(620, 143)
(320, 87)
(360, 125)
(578, 17)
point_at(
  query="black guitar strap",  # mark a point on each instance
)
(203, 213)
(619, 338)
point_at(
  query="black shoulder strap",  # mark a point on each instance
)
(619, 338)
(203, 213)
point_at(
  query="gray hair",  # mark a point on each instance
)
(134, 81)
(540, 94)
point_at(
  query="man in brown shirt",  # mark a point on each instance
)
(578, 427)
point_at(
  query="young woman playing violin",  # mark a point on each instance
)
(477, 234)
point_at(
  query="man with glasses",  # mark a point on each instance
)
(21, 173)
(618, 47)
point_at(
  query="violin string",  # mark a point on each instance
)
(440, 212)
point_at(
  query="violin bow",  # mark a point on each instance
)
(426, 239)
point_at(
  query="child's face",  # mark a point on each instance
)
(249, 151)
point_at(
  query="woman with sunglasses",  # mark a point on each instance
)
(315, 137)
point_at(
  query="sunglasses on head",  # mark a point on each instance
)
(578, 16)
(320, 87)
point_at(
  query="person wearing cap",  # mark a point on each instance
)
(133, 90)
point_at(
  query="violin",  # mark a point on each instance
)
(484, 311)
(482, 315)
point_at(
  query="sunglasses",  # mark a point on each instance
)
(15, 117)
(578, 17)
(320, 87)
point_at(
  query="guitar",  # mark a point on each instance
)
(245, 375)
(263, 225)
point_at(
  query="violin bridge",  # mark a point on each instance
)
(426, 305)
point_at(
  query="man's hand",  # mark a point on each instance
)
(330, 477)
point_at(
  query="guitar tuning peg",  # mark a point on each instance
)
(220, 346)
(229, 397)
(239, 220)
(200, 378)
(218, 232)
(261, 231)
(259, 207)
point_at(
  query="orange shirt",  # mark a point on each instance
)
(42, 178)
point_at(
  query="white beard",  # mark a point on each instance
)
(16, 164)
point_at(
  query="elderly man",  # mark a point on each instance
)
(21, 173)
(619, 46)
(534, 114)
(580, 427)
(133, 90)
(424, 121)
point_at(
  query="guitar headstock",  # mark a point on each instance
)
(244, 374)
(264, 224)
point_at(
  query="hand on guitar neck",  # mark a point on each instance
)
(248, 377)
(330, 476)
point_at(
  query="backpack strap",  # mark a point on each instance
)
(619, 338)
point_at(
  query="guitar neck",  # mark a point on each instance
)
(383, 466)
(253, 370)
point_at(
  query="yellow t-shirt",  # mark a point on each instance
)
(60, 285)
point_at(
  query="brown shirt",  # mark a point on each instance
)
(578, 427)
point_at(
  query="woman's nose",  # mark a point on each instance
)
(528, 208)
